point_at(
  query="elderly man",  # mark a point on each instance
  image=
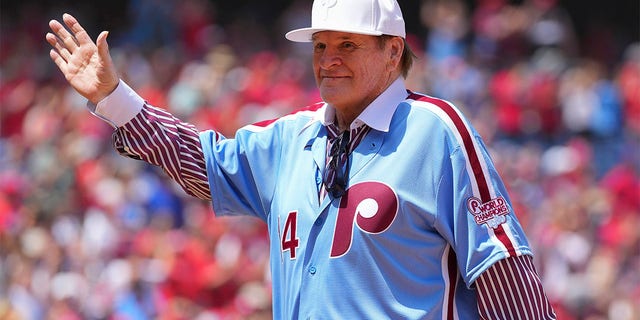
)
(381, 202)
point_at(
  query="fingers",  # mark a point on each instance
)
(78, 31)
(65, 38)
(58, 60)
(58, 46)
(70, 41)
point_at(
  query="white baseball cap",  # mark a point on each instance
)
(369, 17)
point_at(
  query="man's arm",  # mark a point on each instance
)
(142, 132)
(511, 289)
(157, 137)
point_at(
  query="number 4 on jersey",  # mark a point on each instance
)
(289, 239)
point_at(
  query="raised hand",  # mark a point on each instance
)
(86, 65)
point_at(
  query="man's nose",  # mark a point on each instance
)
(329, 58)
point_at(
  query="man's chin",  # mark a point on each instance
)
(331, 93)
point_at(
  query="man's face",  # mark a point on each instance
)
(351, 70)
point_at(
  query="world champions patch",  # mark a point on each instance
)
(492, 213)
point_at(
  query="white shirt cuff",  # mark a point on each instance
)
(119, 107)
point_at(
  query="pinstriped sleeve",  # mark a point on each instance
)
(511, 289)
(157, 137)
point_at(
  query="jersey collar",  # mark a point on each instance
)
(378, 114)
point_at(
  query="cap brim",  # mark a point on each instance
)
(305, 34)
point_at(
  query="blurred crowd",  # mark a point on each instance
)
(87, 234)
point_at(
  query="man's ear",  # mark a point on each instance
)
(397, 47)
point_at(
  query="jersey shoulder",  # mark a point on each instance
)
(302, 115)
(440, 108)
(441, 114)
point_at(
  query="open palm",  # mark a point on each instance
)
(86, 65)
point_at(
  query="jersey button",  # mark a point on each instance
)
(318, 222)
(312, 270)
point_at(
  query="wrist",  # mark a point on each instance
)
(120, 105)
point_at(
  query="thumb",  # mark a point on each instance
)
(109, 78)
(103, 47)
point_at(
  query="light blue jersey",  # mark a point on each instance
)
(424, 215)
